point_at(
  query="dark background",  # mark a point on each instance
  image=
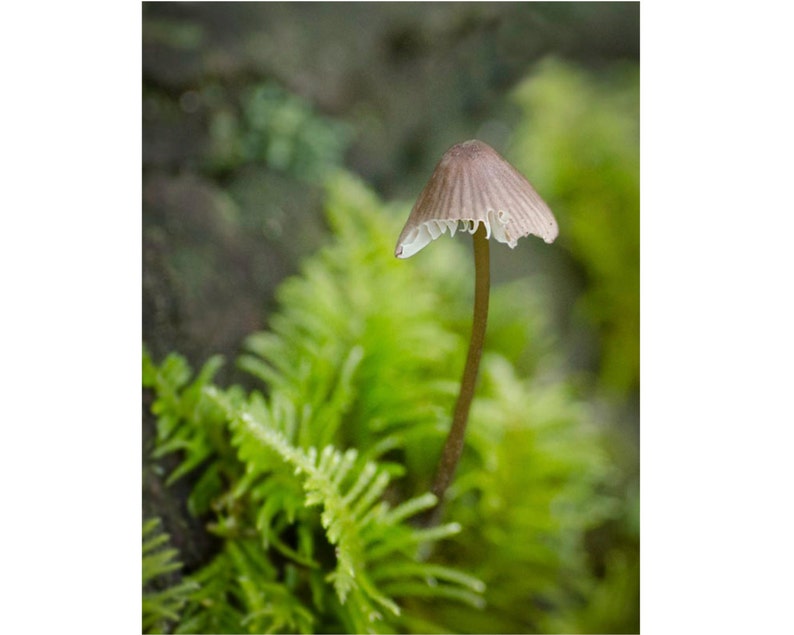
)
(405, 80)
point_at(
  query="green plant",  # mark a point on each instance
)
(163, 598)
(266, 124)
(311, 483)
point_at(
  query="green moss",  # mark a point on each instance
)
(311, 483)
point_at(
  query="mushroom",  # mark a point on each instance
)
(473, 189)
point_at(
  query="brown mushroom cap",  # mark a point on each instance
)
(473, 184)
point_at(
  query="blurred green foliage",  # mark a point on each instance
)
(270, 126)
(311, 480)
(579, 139)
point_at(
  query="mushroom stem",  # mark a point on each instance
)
(453, 447)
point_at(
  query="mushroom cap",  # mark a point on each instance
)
(473, 184)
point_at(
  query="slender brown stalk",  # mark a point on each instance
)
(453, 447)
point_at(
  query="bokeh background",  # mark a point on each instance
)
(247, 107)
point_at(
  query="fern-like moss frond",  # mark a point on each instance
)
(374, 548)
(163, 594)
(177, 404)
(240, 591)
